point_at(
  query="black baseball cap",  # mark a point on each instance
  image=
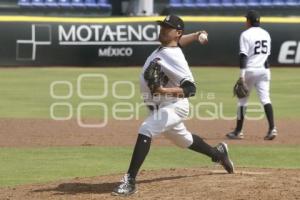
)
(253, 16)
(172, 21)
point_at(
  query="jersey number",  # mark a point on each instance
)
(261, 47)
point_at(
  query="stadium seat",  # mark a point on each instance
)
(254, 3)
(64, 3)
(91, 3)
(78, 3)
(97, 4)
(266, 3)
(227, 3)
(38, 3)
(24, 3)
(278, 3)
(188, 3)
(215, 3)
(51, 3)
(103, 4)
(292, 2)
(175, 3)
(202, 3)
(240, 3)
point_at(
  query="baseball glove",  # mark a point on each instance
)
(153, 75)
(240, 89)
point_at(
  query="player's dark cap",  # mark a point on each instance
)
(253, 16)
(173, 21)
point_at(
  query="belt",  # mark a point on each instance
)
(153, 107)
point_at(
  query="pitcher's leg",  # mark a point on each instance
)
(141, 149)
(183, 138)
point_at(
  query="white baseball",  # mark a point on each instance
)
(202, 38)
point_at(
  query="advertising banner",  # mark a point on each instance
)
(49, 41)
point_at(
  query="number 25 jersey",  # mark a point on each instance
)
(255, 43)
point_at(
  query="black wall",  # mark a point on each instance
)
(42, 43)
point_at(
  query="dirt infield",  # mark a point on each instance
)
(200, 183)
(41, 132)
(204, 183)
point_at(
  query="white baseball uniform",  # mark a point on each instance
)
(169, 112)
(255, 43)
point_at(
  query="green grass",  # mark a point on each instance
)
(38, 165)
(25, 92)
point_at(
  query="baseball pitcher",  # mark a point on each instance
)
(166, 83)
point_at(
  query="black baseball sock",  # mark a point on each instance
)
(202, 147)
(269, 113)
(240, 118)
(140, 152)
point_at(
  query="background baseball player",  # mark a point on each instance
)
(168, 103)
(255, 48)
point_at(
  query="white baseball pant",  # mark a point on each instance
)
(260, 79)
(168, 120)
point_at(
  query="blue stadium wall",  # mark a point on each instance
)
(58, 41)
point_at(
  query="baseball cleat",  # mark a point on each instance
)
(271, 134)
(224, 159)
(126, 188)
(235, 135)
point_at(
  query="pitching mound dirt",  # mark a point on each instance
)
(200, 183)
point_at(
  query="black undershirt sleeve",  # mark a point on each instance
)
(243, 61)
(189, 89)
(267, 64)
